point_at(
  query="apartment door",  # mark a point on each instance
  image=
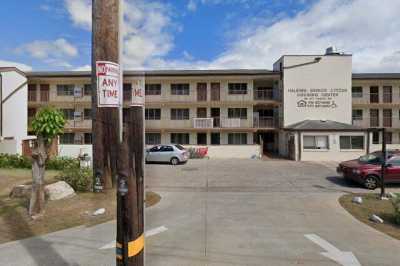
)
(201, 138)
(374, 117)
(201, 92)
(215, 114)
(215, 138)
(374, 94)
(201, 112)
(215, 91)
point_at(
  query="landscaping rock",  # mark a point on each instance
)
(376, 219)
(358, 200)
(21, 191)
(59, 190)
(99, 211)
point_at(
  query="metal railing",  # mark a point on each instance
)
(203, 122)
(265, 122)
(263, 94)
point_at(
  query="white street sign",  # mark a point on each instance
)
(342, 257)
(138, 92)
(108, 84)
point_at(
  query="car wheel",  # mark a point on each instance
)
(174, 161)
(371, 182)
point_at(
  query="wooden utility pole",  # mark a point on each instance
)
(105, 126)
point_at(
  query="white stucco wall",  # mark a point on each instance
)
(72, 150)
(15, 108)
(232, 151)
(324, 87)
(334, 153)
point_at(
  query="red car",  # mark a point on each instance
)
(366, 170)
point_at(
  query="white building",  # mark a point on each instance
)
(13, 110)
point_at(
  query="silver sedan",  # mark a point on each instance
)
(173, 154)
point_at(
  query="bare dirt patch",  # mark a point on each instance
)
(61, 214)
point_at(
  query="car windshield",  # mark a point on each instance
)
(180, 147)
(373, 158)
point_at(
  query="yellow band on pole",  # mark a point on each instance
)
(134, 247)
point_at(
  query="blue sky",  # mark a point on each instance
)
(192, 34)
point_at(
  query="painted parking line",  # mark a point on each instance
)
(342, 257)
(148, 233)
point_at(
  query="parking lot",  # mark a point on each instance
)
(253, 212)
(230, 212)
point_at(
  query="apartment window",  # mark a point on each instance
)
(44, 92)
(237, 88)
(153, 89)
(237, 138)
(316, 142)
(201, 138)
(65, 90)
(357, 114)
(31, 112)
(179, 114)
(215, 91)
(127, 92)
(387, 117)
(201, 91)
(351, 142)
(388, 137)
(87, 114)
(180, 138)
(180, 89)
(153, 138)
(32, 92)
(387, 94)
(68, 114)
(237, 113)
(357, 92)
(153, 114)
(88, 138)
(67, 138)
(375, 137)
(87, 89)
(374, 117)
(374, 94)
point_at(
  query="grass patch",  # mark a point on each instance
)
(373, 205)
(15, 222)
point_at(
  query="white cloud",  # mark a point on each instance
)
(146, 28)
(372, 39)
(366, 28)
(23, 67)
(83, 68)
(80, 12)
(192, 6)
(55, 52)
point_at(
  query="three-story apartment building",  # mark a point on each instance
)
(283, 110)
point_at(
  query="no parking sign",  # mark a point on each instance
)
(108, 84)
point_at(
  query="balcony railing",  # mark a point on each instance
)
(263, 95)
(374, 121)
(203, 122)
(265, 122)
(375, 98)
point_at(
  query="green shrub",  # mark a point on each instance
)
(20, 161)
(60, 163)
(80, 179)
(396, 205)
(15, 161)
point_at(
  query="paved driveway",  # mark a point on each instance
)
(228, 212)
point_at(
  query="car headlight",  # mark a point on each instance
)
(356, 171)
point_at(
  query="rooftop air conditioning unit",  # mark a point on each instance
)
(331, 50)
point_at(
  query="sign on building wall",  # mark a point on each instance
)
(108, 84)
(138, 92)
(321, 98)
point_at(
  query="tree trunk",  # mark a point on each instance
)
(39, 156)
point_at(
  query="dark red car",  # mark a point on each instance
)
(366, 170)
